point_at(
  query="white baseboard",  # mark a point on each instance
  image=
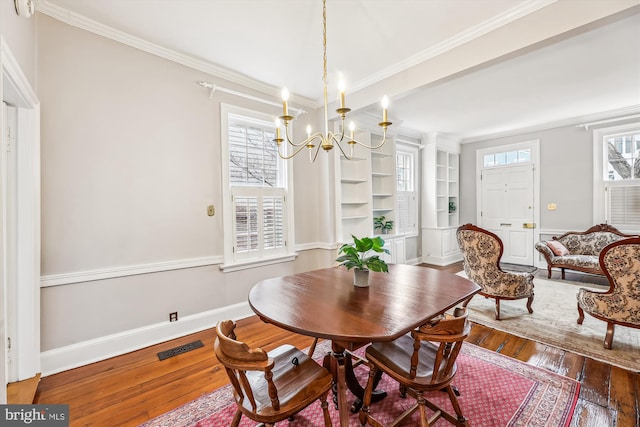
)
(442, 261)
(90, 351)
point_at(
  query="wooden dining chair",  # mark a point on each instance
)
(421, 361)
(270, 387)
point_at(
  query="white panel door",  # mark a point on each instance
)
(507, 210)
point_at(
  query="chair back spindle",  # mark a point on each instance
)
(257, 378)
(421, 361)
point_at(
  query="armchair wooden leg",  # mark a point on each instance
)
(529, 303)
(548, 272)
(562, 273)
(608, 338)
(580, 315)
(497, 308)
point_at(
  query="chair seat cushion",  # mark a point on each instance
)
(395, 358)
(617, 307)
(585, 261)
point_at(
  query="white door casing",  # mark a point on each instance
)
(9, 231)
(24, 320)
(507, 203)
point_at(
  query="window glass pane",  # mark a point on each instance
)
(507, 158)
(524, 156)
(253, 157)
(404, 171)
(622, 158)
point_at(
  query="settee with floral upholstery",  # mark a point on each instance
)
(579, 250)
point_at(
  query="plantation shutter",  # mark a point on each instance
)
(406, 211)
(624, 206)
(258, 193)
(246, 224)
(273, 214)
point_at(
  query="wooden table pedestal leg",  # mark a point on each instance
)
(341, 366)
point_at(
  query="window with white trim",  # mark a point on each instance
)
(255, 180)
(406, 190)
(622, 178)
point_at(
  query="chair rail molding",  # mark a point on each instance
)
(131, 270)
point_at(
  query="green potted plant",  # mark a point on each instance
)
(362, 256)
(379, 222)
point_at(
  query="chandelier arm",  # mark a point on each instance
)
(316, 153)
(301, 143)
(373, 147)
(342, 151)
(292, 155)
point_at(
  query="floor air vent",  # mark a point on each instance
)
(179, 350)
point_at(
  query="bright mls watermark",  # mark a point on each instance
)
(34, 415)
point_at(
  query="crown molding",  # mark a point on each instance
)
(80, 21)
(582, 121)
(460, 39)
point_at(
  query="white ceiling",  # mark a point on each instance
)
(372, 42)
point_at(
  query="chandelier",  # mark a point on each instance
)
(328, 139)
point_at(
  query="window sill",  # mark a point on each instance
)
(255, 263)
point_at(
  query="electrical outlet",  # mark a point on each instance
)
(173, 317)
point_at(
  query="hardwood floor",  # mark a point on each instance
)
(130, 389)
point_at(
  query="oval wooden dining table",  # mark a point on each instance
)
(325, 304)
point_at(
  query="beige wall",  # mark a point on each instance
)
(566, 176)
(20, 35)
(130, 161)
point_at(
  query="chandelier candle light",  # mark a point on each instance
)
(328, 139)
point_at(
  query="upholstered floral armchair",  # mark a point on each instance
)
(620, 305)
(482, 251)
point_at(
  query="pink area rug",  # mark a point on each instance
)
(496, 391)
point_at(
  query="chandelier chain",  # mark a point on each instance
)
(324, 40)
